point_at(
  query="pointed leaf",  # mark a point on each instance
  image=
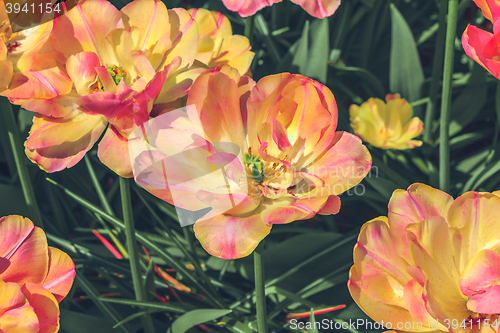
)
(196, 317)
(406, 75)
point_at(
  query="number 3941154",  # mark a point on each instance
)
(41, 8)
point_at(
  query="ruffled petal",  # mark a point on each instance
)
(319, 8)
(86, 28)
(217, 100)
(61, 274)
(81, 69)
(44, 305)
(418, 203)
(113, 152)
(474, 41)
(343, 166)
(286, 210)
(230, 237)
(152, 19)
(382, 272)
(44, 84)
(56, 144)
(23, 251)
(247, 7)
(487, 302)
(474, 216)
(16, 314)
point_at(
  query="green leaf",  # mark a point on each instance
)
(317, 65)
(470, 102)
(311, 58)
(77, 322)
(300, 50)
(312, 320)
(384, 186)
(196, 317)
(363, 74)
(149, 282)
(136, 315)
(149, 305)
(405, 75)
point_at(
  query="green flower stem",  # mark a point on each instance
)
(260, 290)
(444, 135)
(133, 252)
(19, 157)
(249, 28)
(437, 69)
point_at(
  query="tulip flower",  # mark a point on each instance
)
(217, 44)
(254, 155)
(115, 66)
(432, 264)
(386, 125)
(21, 51)
(316, 8)
(483, 46)
(34, 278)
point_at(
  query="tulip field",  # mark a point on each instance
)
(246, 166)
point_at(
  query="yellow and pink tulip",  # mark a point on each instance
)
(386, 125)
(217, 44)
(115, 66)
(432, 264)
(293, 162)
(34, 278)
(316, 8)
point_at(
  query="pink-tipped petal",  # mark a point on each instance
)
(418, 203)
(490, 8)
(481, 273)
(286, 210)
(113, 152)
(217, 100)
(474, 215)
(23, 251)
(319, 8)
(474, 41)
(61, 274)
(344, 165)
(81, 69)
(16, 314)
(247, 7)
(58, 144)
(487, 302)
(230, 237)
(331, 207)
(44, 305)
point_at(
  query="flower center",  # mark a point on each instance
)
(269, 179)
(254, 166)
(117, 73)
(7, 36)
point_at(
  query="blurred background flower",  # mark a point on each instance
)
(316, 8)
(386, 125)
